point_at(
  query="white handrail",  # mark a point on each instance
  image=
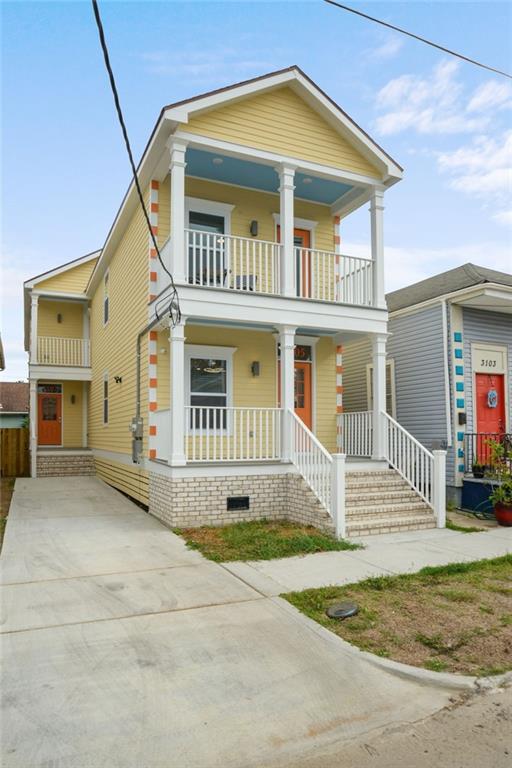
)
(355, 433)
(59, 350)
(328, 276)
(409, 457)
(232, 434)
(228, 261)
(312, 460)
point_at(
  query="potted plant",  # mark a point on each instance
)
(478, 469)
(501, 473)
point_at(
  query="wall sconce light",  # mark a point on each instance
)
(73, 399)
(59, 318)
(118, 379)
(255, 368)
(253, 229)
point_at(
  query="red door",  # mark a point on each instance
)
(49, 419)
(303, 393)
(490, 419)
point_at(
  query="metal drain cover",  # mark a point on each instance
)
(342, 610)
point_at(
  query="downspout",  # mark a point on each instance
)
(446, 356)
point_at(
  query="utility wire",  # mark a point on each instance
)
(174, 304)
(417, 37)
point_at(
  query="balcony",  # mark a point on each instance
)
(249, 265)
(55, 350)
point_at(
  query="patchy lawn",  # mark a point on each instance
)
(6, 491)
(466, 527)
(259, 540)
(453, 618)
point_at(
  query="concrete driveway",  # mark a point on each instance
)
(124, 649)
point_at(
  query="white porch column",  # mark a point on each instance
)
(377, 232)
(439, 488)
(33, 427)
(287, 358)
(33, 328)
(287, 269)
(379, 396)
(177, 370)
(338, 494)
(177, 245)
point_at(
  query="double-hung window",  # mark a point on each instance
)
(209, 386)
(390, 387)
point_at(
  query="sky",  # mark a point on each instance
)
(65, 170)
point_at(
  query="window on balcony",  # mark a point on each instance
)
(207, 249)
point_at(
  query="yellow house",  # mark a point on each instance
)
(217, 395)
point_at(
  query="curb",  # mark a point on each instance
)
(447, 680)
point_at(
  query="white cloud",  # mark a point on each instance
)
(387, 49)
(432, 104)
(206, 66)
(405, 266)
(483, 169)
(504, 217)
(491, 94)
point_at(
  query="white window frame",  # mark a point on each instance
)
(211, 353)
(390, 363)
(209, 207)
(105, 399)
(106, 296)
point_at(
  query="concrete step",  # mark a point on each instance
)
(363, 497)
(380, 525)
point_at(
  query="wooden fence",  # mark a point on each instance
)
(14, 452)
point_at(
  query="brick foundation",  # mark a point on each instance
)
(56, 465)
(195, 501)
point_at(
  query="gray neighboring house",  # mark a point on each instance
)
(14, 397)
(449, 366)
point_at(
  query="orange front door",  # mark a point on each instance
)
(303, 393)
(301, 240)
(50, 419)
(490, 410)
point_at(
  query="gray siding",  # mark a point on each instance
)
(490, 328)
(416, 346)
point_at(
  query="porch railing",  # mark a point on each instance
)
(311, 459)
(328, 276)
(56, 350)
(409, 457)
(239, 263)
(355, 433)
(232, 434)
(477, 449)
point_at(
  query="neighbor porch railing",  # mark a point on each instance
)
(232, 434)
(56, 350)
(328, 276)
(226, 261)
(477, 449)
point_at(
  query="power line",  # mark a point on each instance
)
(174, 305)
(417, 37)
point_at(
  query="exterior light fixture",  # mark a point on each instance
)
(255, 368)
(253, 229)
(73, 399)
(217, 160)
(307, 180)
(59, 318)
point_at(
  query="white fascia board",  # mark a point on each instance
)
(30, 284)
(350, 201)
(60, 295)
(259, 309)
(243, 152)
(458, 297)
(313, 97)
(61, 372)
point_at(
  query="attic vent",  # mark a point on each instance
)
(237, 502)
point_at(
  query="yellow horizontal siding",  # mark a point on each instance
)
(280, 121)
(72, 324)
(131, 480)
(113, 347)
(73, 280)
(325, 388)
(72, 414)
(260, 206)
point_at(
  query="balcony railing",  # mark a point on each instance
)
(55, 350)
(238, 263)
(327, 276)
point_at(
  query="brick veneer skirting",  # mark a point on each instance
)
(65, 465)
(196, 501)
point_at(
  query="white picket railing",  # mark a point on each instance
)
(312, 460)
(328, 276)
(355, 433)
(409, 457)
(55, 350)
(232, 434)
(239, 263)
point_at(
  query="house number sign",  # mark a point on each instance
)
(488, 359)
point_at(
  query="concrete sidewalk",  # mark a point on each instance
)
(384, 555)
(122, 648)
